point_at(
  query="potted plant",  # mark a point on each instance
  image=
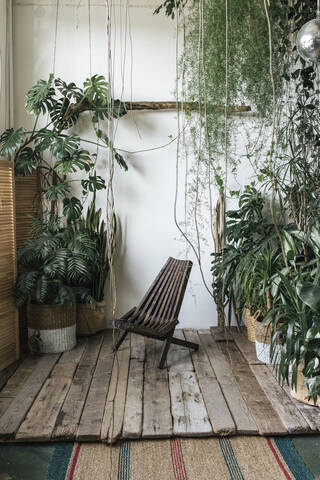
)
(91, 318)
(55, 269)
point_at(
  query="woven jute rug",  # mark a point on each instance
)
(236, 458)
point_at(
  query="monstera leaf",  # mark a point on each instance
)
(11, 140)
(39, 97)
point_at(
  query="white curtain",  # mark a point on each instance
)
(6, 73)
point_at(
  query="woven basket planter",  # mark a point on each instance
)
(263, 341)
(90, 320)
(55, 325)
(251, 322)
(301, 393)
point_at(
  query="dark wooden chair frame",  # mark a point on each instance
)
(157, 314)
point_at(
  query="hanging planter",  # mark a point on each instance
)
(51, 328)
(91, 320)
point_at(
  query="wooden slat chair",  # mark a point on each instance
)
(157, 314)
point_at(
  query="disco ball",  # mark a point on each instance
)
(308, 41)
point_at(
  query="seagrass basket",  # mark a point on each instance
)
(251, 321)
(52, 328)
(301, 393)
(263, 335)
(90, 320)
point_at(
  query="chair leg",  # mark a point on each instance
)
(122, 336)
(165, 349)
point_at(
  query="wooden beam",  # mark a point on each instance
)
(169, 105)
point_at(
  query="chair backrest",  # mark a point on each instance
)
(161, 304)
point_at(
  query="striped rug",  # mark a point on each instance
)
(235, 458)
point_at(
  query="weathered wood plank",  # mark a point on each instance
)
(157, 421)
(221, 334)
(248, 349)
(266, 418)
(19, 407)
(69, 360)
(132, 421)
(310, 414)
(8, 372)
(112, 423)
(178, 357)
(241, 414)
(91, 419)
(42, 416)
(69, 416)
(41, 419)
(138, 350)
(217, 408)
(188, 410)
(283, 405)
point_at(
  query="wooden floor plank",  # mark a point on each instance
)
(19, 407)
(241, 414)
(69, 417)
(157, 420)
(8, 372)
(132, 421)
(187, 405)
(41, 418)
(247, 348)
(138, 350)
(265, 416)
(188, 410)
(91, 419)
(311, 414)
(283, 405)
(218, 411)
(178, 357)
(112, 423)
(16, 381)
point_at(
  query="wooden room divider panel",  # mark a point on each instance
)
(27, 202)
(9, 326)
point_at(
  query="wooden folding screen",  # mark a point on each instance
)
(9, 326)
(27, 200)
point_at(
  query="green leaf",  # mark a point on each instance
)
(62, 147)
(39, 97)
(310, 295)
(93, 183)
(54, 192)
(27, 161)
(72, 208)
(11, 140)
(96, 89)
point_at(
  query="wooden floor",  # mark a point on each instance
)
(88, 394)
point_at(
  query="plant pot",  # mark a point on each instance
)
(263, 341)
(90, 320)
(301, 393)
(52, 327)
(250, 324)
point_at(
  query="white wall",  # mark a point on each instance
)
(145, 194)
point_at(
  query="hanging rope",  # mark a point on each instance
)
(194, 248)
(55, 38)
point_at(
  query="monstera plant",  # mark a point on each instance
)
(58, 266)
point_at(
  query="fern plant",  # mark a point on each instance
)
(57, 266)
